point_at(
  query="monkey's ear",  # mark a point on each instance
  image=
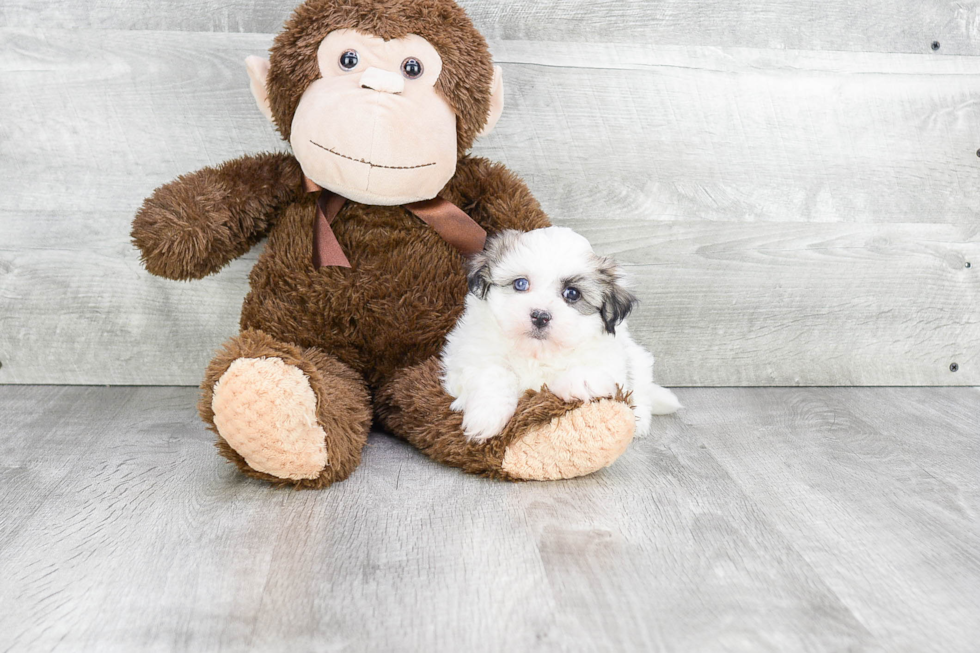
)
(496, 101)
(258, 73)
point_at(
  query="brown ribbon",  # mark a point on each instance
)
(447, 219)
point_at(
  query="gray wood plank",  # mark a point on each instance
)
(634, 132)
(638, 132)
(26, 486)
(767, 201)
(757, 519)
(872, 25)
(677, 560)
(876, 488)
(720, 304)
(802, 303)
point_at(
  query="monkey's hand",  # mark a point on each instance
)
(198, 223)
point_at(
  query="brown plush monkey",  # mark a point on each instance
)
(361, 281)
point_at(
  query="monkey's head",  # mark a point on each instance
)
(379, 98)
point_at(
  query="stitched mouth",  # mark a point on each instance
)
(373, 165)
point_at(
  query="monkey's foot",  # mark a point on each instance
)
(285, 415)
(266, 411)
(575, 443)
(547, 439)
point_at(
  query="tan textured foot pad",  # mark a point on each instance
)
(266, 411)
(547, 439)
(579, 442)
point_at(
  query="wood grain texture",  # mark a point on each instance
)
(870, 26)
(872, 496)
(638, 132)
(728, 304)
(802, 304)
(768, 203)
(756, 519)
(742, 135)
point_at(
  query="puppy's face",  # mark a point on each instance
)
(548, 288)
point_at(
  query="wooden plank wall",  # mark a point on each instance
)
(793, 185)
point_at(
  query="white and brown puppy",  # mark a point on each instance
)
(544, 309)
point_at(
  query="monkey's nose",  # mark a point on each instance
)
(382, 80)
(540, 319)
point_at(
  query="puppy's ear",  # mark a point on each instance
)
(479, 267)
(478, 274)
(617, 301)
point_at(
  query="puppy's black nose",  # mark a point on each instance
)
(540, 319)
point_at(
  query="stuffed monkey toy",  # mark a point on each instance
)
(368, 223)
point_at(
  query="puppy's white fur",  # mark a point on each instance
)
(496, 351)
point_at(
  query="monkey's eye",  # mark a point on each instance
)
(571, 295)
(348, 60)
(412, 68)
(521, 285)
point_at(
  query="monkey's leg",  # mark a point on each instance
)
(547, 439)
(284, 414)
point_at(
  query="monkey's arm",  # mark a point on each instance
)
(494, 196)
(196, 224)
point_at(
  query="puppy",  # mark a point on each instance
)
(544, 310)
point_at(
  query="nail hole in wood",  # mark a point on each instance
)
(968, 264)
(935, 46)
(954, 367)
(978, 152)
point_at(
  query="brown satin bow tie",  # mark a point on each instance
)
(448, 220)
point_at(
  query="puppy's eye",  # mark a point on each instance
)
(520, 285)
(571, 295)
(348, 60)
(412, 68)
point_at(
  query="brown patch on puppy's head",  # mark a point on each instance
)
(467, 68)
(617, 301)
(479, 267)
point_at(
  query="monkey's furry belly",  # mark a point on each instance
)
(390, 310)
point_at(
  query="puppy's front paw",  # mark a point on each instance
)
(485, 419)
(584, 384)
(644, 421)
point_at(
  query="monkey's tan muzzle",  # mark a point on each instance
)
(382, 80)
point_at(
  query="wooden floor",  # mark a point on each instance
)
(759, 520)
